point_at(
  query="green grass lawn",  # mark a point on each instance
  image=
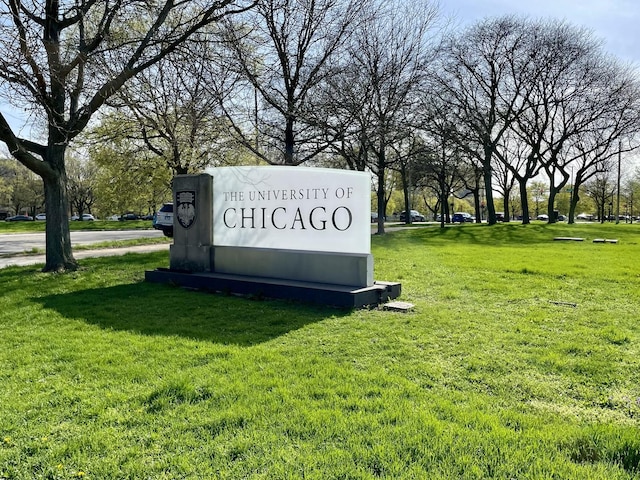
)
(520, 360)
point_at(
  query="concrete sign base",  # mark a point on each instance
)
(321, 293)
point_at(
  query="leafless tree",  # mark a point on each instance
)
(575, 107)
(483, 77)
(442, 168)
(64, 59)
(519, 159)
(471, 176)
(537, 96)
(613, 132)
(601, 189)
(505, 181)
(173, 107)
(377, 98)
(284, 49)
(409, 156)
(347, 113)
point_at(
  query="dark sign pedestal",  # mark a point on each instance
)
(321, 293)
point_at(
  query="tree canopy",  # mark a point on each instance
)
(62, 60)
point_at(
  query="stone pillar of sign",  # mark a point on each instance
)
(192, 224)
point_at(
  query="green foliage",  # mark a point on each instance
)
(128, 179)
(81, 176)
(21, 191)
(519, 360)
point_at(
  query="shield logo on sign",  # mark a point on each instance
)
(186, 208)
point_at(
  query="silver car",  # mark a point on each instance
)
(163, 219)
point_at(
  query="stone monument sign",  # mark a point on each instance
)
(284, 232)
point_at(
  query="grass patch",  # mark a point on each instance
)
(123, 243)
(519, 360)
(98, 245)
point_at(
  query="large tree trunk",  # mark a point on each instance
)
(554, 190)
(381, 199)
(573, 202)
(488, 189)
(289, 142)
(551, 201)
(524, 200)
(507, 208)
(406, 194)
(59, 256)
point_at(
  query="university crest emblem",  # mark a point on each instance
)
(186, 208)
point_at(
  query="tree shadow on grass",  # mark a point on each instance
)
(154, 309)
(13, 278)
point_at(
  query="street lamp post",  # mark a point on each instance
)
(610, 210)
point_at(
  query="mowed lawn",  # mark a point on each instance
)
(520, 360)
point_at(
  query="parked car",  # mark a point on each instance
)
(19, 218)
(41, 216)
(128, 216)
(499, 216)
(585, 216)
(415, 216)
(374, 217)
(86, 217)
(543, 216)
(462, 217)
(164, 219)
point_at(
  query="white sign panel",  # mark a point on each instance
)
(292, 208)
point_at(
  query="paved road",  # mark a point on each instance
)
(11, 244)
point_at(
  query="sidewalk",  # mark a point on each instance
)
(23, 260)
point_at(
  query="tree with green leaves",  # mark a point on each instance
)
(20, 190)
(129, 176)
(64, 59)
(81, 186)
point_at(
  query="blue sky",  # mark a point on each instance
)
(616, 22)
